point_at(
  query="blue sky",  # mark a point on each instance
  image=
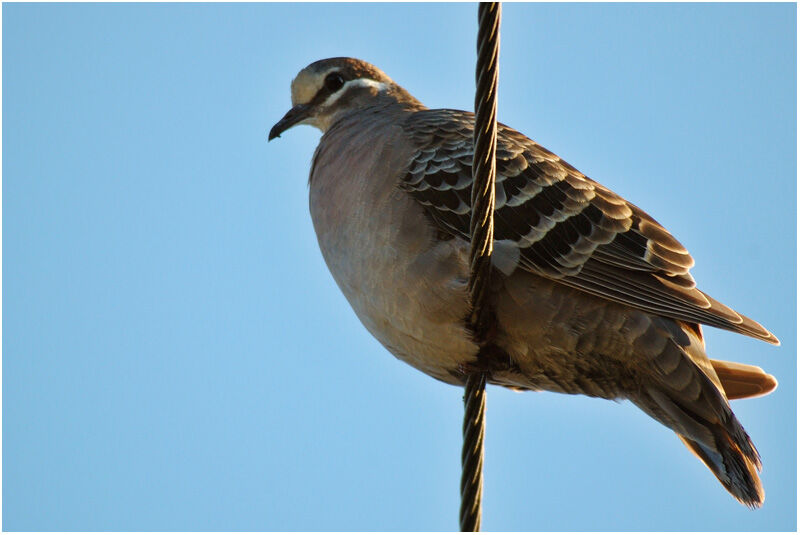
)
(176, 355)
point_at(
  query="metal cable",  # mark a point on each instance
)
(482, 232)
(472, 452)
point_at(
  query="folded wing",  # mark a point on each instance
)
(565, 226)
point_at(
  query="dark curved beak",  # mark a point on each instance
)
(295, 115)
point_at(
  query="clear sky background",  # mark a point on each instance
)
(176, 355)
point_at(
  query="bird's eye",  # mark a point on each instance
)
(334, 82)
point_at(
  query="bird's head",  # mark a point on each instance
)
(329, 87)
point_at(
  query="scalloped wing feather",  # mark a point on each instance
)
(566, 226)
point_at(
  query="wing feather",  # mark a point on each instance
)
(566, 226)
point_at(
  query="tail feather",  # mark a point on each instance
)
(688, 394)
(722, 444)
(737, 473)
(742, 381)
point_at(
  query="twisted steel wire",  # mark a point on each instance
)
(472, 452)
(482, 233)
(481, 224)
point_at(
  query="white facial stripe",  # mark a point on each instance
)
(359, 82)
(306, 85)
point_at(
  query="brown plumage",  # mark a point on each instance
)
(742, 381)
(590, 294)
(566, 226)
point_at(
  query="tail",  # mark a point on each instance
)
(686, 394)
(737, 472)
(740, 381)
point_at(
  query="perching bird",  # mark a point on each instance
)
(590, 294)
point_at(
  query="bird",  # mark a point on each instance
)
(589, 294)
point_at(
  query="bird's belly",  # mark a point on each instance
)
(408, 290)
